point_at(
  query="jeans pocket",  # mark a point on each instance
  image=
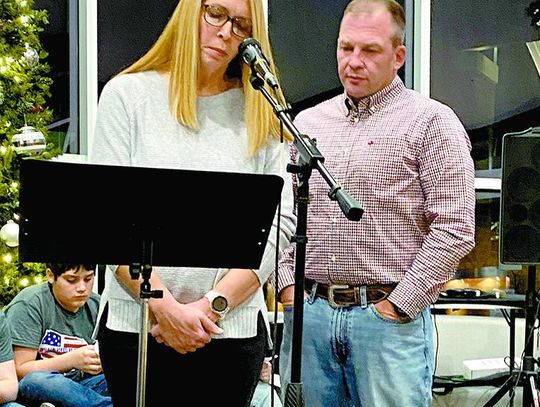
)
(380, 316)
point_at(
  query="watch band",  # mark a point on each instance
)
(218, 303)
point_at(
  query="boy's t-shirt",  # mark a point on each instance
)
(38, 321)
(6, 350)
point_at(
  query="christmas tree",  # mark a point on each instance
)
(24, 116)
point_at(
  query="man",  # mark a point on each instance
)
(51, 327)
(8, 377)
(367, 329)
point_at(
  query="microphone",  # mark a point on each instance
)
(251, 52)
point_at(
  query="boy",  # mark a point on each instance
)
(51, 327)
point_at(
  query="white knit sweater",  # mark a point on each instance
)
(134, 127)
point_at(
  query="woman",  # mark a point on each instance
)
(188, 104)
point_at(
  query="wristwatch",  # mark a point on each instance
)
(218, 303)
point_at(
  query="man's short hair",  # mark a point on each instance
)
(393, 7)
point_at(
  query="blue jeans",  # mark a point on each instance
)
(41, 386)
(263, 397)
(352, 357)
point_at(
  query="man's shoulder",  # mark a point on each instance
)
(326, 103)
(425, 102)
(325, 107)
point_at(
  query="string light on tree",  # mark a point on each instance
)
(534, 12)
(5, 64)
(24, 19)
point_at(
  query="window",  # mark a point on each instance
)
(60, 40)
(308, 64)
(485, 64)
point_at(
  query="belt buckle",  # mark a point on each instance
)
(331, 300)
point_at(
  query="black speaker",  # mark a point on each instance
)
(519, 227)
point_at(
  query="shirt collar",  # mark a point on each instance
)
(373, 102)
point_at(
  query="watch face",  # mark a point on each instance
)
(220, 303)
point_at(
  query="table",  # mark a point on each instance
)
(509, 305)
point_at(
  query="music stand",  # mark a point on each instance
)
(144, 217)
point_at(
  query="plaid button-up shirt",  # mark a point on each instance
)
(406, 159)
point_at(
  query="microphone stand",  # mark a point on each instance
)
(309, 158)
(144, 269)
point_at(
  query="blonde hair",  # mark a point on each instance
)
(392, 6)
(177, 51)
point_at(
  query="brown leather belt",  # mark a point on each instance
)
(344, 295)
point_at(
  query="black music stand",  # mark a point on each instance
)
(144, 217)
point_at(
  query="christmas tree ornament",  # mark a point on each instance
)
(9, 234)
(30, 55)
(28, 141)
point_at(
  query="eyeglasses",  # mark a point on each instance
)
(218, 16)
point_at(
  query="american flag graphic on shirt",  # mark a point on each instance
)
(54, 344)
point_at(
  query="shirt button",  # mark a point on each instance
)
(333, 257)
(334, 220)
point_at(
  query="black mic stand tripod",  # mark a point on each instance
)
(527, 375)
(309, 158)
(144, 269)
